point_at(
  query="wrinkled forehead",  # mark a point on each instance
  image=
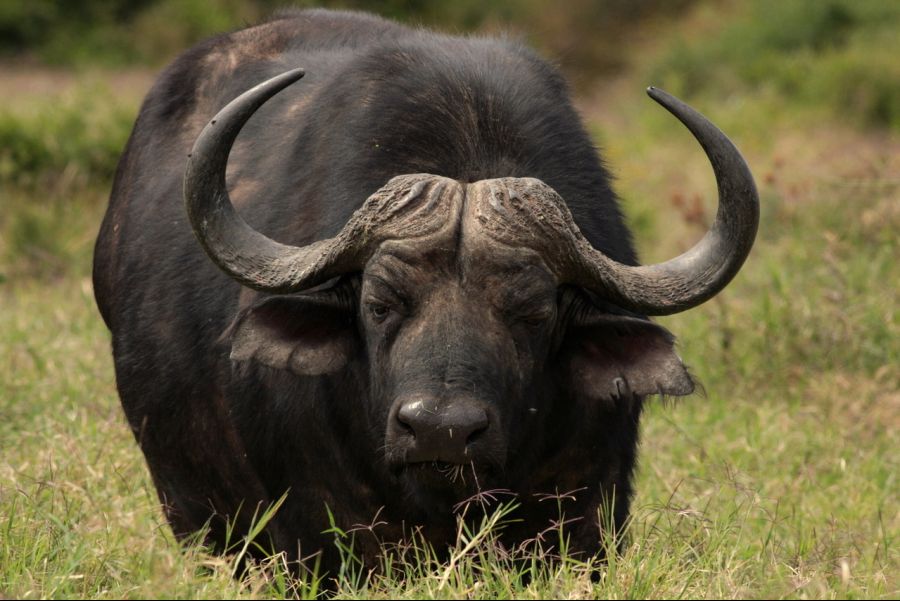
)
(491, 228)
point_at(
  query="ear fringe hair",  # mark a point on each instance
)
(669, 400)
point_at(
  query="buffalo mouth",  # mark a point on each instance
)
(449, 470)
(446, 484)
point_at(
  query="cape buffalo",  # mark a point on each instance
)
(421, 287)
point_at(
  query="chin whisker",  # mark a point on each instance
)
(453, 471)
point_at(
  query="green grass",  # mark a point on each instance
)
(780, 482)
(77, 136)
(760, 489)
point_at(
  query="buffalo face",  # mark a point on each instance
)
(467, 335)
(457, 341)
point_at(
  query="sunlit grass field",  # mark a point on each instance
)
(780, 480)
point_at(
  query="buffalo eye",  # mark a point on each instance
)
(534, 312)
(534, 319)
(378, 311)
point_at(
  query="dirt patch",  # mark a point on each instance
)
(21, 84)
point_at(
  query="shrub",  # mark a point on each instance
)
(80, 135)
(836, 54)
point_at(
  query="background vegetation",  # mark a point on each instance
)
(126, 32)
(780, 481)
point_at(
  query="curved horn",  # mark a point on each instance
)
(408, 205)
(703, 271)
(246, 255)
(526, 211)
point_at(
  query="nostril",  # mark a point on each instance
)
(405, 426)
(476, 424)
(476, 434)
(414, 418)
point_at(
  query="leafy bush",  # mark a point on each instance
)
(116, 32)
(586, 35)
(81, 136)
(837, 54)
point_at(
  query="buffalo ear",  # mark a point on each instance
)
(610, 356)
(309, 336)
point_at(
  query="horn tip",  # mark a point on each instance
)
(295, 74)
(657, 94)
